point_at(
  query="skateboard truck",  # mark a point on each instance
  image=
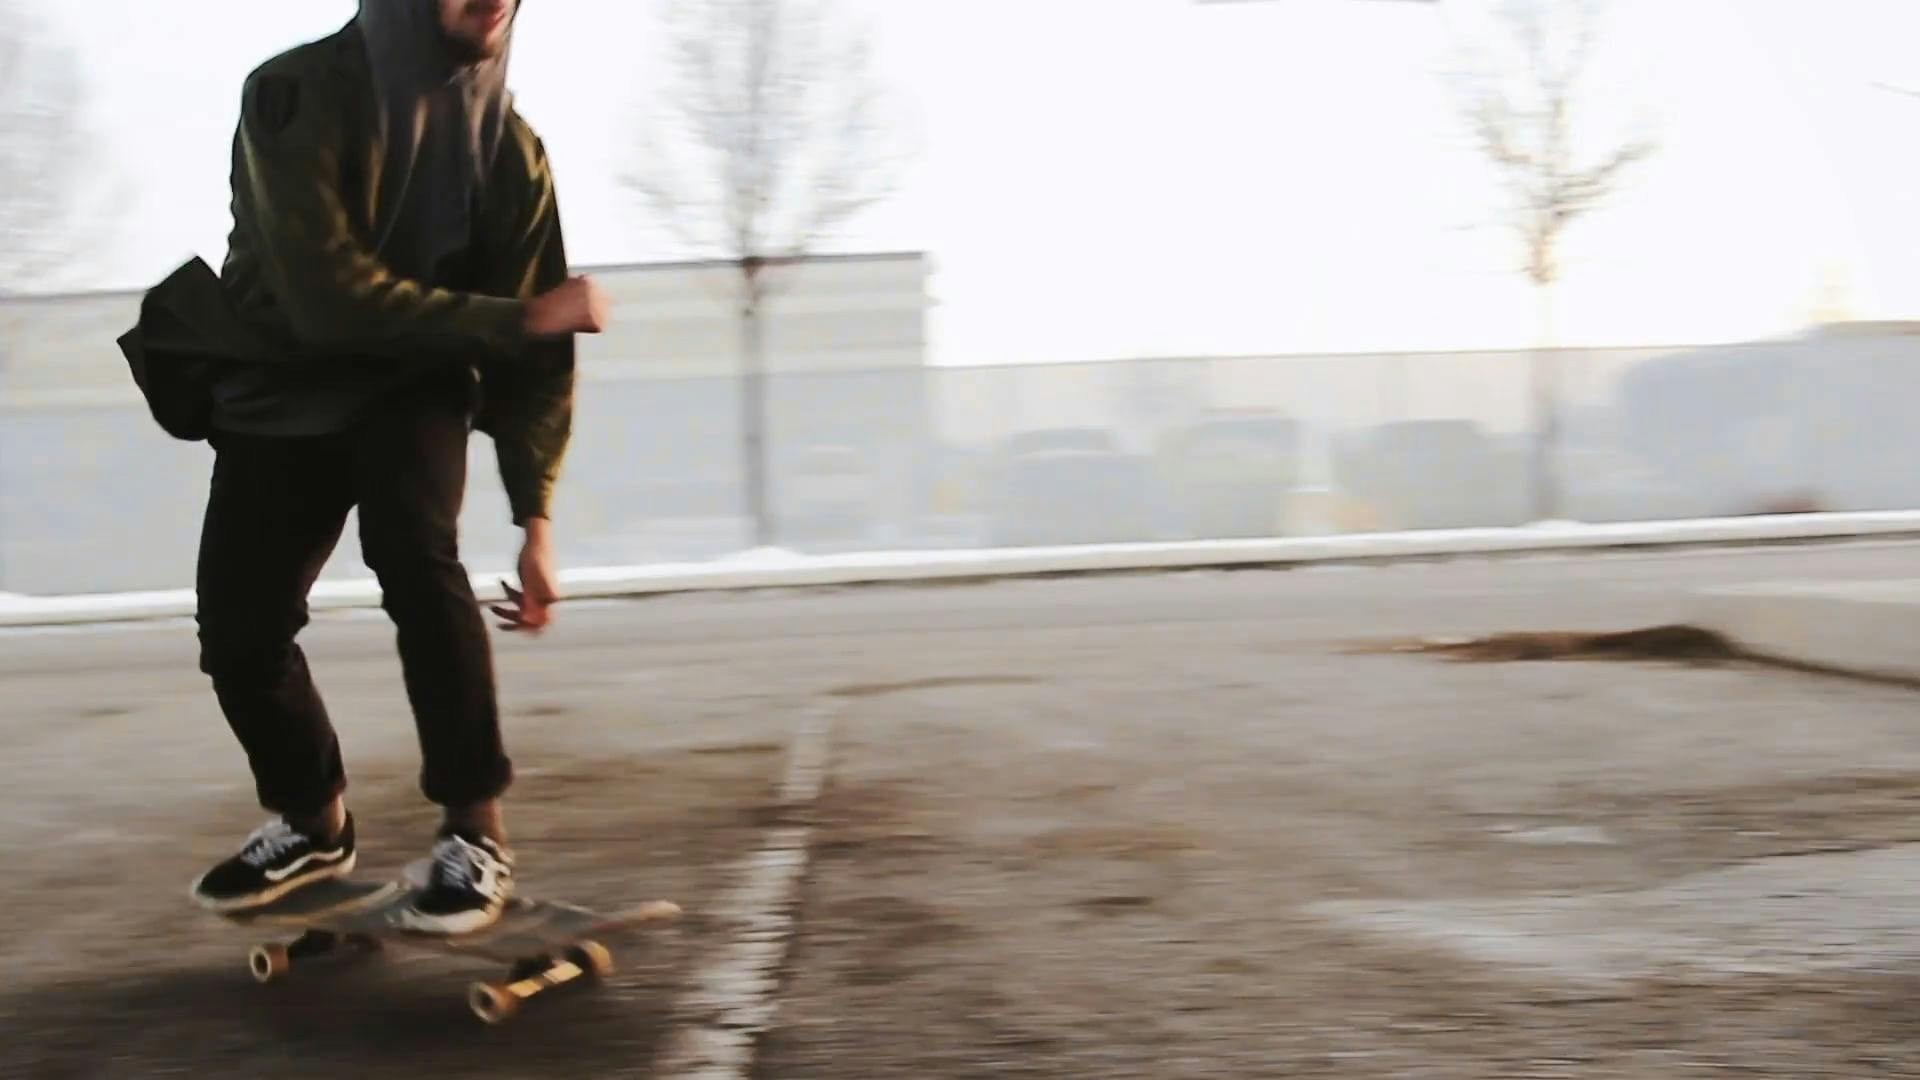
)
(497, 1002)
(269, 961)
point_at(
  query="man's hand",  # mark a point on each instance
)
(527, 609)
(577, 306)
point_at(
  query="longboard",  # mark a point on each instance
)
(545, 943)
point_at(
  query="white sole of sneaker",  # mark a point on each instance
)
(275, 892)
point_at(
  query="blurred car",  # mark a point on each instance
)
(1822, 418)
(1229, 476)
(1435, 474)
(824, 494)
(1067, 486)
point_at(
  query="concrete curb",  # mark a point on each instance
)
(761, 571)
(1869, 629)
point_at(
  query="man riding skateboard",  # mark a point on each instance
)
(395, 278)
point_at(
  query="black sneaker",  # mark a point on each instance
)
(275, 860)
(468, 883)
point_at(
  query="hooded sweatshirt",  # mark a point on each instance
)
(392, 216)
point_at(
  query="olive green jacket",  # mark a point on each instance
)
(301, 286)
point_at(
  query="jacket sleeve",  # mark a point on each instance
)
(338, 296)
(528, 407)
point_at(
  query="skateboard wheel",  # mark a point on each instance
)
(492, 1004)
(592, 958)
(268, 962)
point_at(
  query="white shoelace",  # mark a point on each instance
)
(269, 842)
(453, 860)
(469, 865)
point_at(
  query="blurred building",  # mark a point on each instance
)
(654, 471)
(832, 313)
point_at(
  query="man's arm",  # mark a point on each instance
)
(339, 297)
(529, 410)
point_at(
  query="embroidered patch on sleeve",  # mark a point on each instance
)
(276, 101)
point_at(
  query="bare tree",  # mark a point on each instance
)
(43, 150)
(1520, 93)
(770, 132)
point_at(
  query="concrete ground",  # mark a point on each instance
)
(1125, 826)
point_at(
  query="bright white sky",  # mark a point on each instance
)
(1138, 177)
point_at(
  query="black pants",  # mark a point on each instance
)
(276, 509)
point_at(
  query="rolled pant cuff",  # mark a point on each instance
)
(468, 788)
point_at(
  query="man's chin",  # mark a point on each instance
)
(466, 51)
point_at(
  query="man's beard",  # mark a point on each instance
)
(466, 53)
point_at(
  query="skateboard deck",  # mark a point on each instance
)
(545, 943)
